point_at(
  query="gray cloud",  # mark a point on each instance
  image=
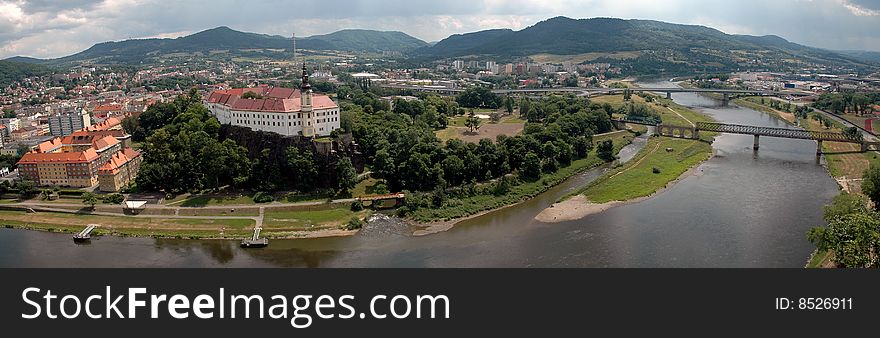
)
(46, 28)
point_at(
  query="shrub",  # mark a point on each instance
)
(114, 199)
(263, 197)
(354, 223)
(357, 205)
(656, 170)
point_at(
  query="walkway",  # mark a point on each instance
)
(681, 116)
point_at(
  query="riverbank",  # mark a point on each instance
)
(440, 219)
(659, 165)
(277, 224)
(617, 188)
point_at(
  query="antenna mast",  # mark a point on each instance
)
(294, 52)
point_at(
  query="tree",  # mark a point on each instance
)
(853, 133)
(845, 204)
(854, 239)
(871, 184)
(605, 150)
(302, 168)
(89, 199)
(26, 189)
(508, 105)
(9, 114)
(346, 176)
(495, 117)
(473, 122)
(524, 106)
(531, 166)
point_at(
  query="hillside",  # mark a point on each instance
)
(14, 71)
(662, 47)
(226, 39)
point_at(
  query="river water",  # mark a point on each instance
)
(738, 209)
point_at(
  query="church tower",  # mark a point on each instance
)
(306, 104)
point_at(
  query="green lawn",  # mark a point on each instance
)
(204, 200)
(637, 179)
(230, 223)
(366, 187)
(306, 219)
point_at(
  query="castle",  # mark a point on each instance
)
(285, 111)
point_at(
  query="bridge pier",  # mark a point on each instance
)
(669, 95)
(819, 148)
(757, 142)
(725, 100)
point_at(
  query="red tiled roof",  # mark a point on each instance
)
(49, 145)
(117, 161)
(106, 125)
(104, 142)
(276, 99)
(70, 157)
(108, 108)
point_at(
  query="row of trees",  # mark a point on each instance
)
(853, 230)
(840, 103)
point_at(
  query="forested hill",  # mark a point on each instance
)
(667, 45)
(136, 51)
(11, 72)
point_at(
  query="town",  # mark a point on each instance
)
(319, 142)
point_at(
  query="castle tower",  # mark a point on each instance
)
(306, 104)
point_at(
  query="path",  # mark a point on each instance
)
(639, 161)
(113, 214)
(681, 116)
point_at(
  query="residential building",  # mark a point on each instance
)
(12, 124)
(119, 171)
(77, 160)
(24, 133)
(65, 124)
(284, 111)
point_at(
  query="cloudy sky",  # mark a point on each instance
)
(46, 28)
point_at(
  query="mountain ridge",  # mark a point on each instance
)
(225, 38)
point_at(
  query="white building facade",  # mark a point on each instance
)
(283, 111)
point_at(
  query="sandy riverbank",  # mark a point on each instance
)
(579, 206)
(572, 209)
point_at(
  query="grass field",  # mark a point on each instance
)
(755, 103)
(843, 158)
(638, 179)
(123, 225)
(509, 125)
(303, 220)
(365, 187)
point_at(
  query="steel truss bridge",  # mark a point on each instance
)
(693, 132)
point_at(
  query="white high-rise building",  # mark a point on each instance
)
(66, 124)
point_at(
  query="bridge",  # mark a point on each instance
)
(693, 132)
(606, 91)
(372, 199)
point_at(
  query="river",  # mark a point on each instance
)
(739, 209)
